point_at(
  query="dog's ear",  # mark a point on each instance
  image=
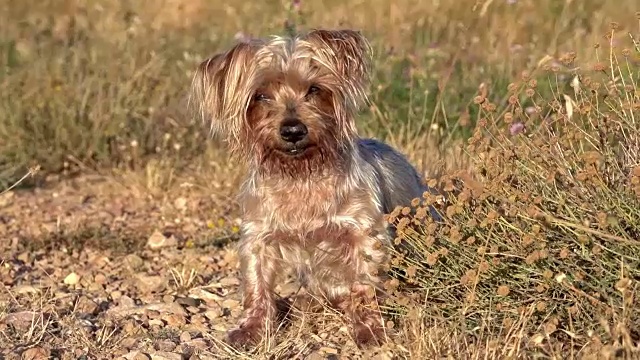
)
(347, 52)
(220, 85)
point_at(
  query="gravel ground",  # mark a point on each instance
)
(93, 269)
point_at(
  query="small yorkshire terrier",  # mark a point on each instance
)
(316, 193)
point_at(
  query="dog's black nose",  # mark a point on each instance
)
(293, 130)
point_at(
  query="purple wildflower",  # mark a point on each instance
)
(516, 128)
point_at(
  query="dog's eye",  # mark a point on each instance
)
(313, 89)
(260, 97)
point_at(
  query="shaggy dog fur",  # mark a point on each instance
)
(316, 193)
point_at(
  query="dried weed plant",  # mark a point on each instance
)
(540, 244)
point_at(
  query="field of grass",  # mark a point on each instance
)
(525, 113)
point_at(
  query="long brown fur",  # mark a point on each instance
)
(316, 205)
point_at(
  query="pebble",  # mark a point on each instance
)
(158, 241)
(136, 355)
(189, 301)
(173, 320)
(150, 283)
(185, 337)
(128, 342)
(165, 345)
(100, 279)
(133, 261)
(24, 319)
(36, 353)
(86, 305)
(72, 279)
(165, 355)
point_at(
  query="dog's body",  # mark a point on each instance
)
(316, 193)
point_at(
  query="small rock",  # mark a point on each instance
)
(24, 319)
(200, 344)
(197, 319)
(164, 355)
(86, 306)
(131, 328)
(124, 300)
(136, 355)
(100, 279)
(25, 289)
(36, 353)
(152, 314)
(385, 355)
(158, 241)
(100, 261)
(133, 261)
(128, 342)
(211, 314)
(219, 327)
(328, 350)
(185, 337)
(189, 301)
(230, 281)
(141, 356)
(150, 283)
(95, 287)
(173, 320)
(315, 356)
(205, 295)
(197, 327)
(24, 257)
(231, 303)
(72, 279)
(165, 345)
(115, 295)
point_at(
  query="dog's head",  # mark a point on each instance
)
(288, 104)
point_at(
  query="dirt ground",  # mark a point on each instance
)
(92, 268)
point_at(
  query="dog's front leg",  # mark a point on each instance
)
(258, 266)
(352, 282)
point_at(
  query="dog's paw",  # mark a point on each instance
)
(368, 335)
(248, 334)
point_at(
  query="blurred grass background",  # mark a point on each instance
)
(102, 84)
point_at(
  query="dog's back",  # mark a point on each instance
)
(398, 180)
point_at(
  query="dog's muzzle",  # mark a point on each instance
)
(293, 131)
(294, 134)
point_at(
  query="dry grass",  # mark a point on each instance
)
(539, 249)
(538, 255)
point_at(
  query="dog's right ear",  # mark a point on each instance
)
(221, 87)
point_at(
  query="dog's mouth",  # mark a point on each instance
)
(296, 150)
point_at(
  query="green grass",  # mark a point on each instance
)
(83, 81)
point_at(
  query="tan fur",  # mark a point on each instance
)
(316, 205)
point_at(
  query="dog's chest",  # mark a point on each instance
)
(300, 209)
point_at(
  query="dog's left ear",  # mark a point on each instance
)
(220, 87)
(347, 52)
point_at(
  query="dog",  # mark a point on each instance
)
(316, 193)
